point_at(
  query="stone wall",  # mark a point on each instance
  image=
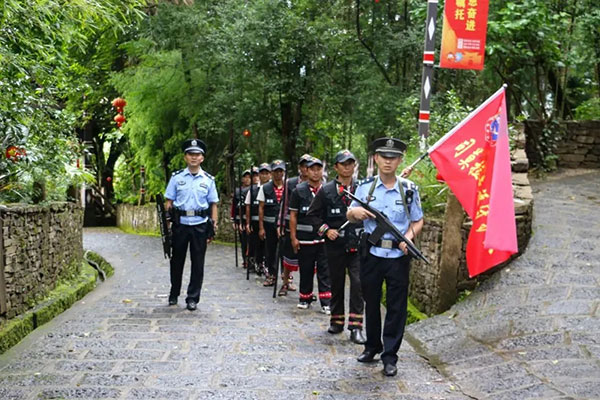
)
(40, 245)
(579, 147)
(144, 219)
(432, 288)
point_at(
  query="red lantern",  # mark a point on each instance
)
(14, 153)
(246, 133)
(120, 119)
(119, 103)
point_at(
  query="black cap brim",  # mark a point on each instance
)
(346, 158)
(390, 154)
(194, 149)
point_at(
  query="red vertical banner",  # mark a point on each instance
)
(463, 34)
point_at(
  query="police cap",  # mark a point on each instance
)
(194, 146)
(277, 164)
(246, 172)
(343, 156)
(254, 171)
(388, 147)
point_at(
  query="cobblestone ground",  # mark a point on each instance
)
(123, 341)
(533, 329)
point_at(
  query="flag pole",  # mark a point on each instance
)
(427, 78)
(447, 135)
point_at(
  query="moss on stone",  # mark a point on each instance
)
(15, 330)
(102, 263)
(129, 229)
(58, 300)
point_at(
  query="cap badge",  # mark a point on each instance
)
(389, 143)
(194, 143)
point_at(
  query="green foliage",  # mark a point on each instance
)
(302, 76)
(588, 110)
(42, 47)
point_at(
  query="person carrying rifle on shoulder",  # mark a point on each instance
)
(386, 260)
(290, 258)
(269, 199)
(328, 213)
(306, 241)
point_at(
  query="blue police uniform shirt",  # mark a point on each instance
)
(189, 192)
(389, 201)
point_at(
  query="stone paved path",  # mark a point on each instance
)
(532, 330)
(122, 341)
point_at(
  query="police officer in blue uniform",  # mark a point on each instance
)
(386, 261)
(192, 204)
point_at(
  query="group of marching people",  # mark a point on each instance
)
(342, 226)
(307, 215)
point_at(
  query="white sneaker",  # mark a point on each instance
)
(303, 305)
(326, 310)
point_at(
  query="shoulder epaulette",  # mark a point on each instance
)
(177, 172)
(366, 180)
(209, 175)
(408, 184)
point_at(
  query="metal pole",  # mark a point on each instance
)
(427, 79)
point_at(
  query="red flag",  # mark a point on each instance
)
(474, 160)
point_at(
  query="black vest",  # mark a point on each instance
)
(271, 203)
(335, 208)
(238, 201)
(254, 203)
(305, 194)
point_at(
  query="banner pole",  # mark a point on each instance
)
(427, 78)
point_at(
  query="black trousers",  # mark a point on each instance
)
(309, 256)
(340, 262)
(195, 236)
(256, 247)
(395, 273)
(271, 248)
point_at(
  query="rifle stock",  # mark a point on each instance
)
(280, 240)
(165, 233)
(385, 225)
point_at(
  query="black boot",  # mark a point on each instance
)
(357, 336)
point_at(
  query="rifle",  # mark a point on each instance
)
(280, 239)
(241, 214)
(165, 233)
(249, 222)
(385, 225)
(233, 205)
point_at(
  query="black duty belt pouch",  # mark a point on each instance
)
(210, 229)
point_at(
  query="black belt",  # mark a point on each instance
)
(191, 213)
(387, 244)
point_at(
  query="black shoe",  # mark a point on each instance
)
(367, 356)
(335, 329)
(357, 336)
(191, 306)
(389, 369)
(172, 301)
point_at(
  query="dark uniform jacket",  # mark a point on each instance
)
(328, 211)
(300, 201)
